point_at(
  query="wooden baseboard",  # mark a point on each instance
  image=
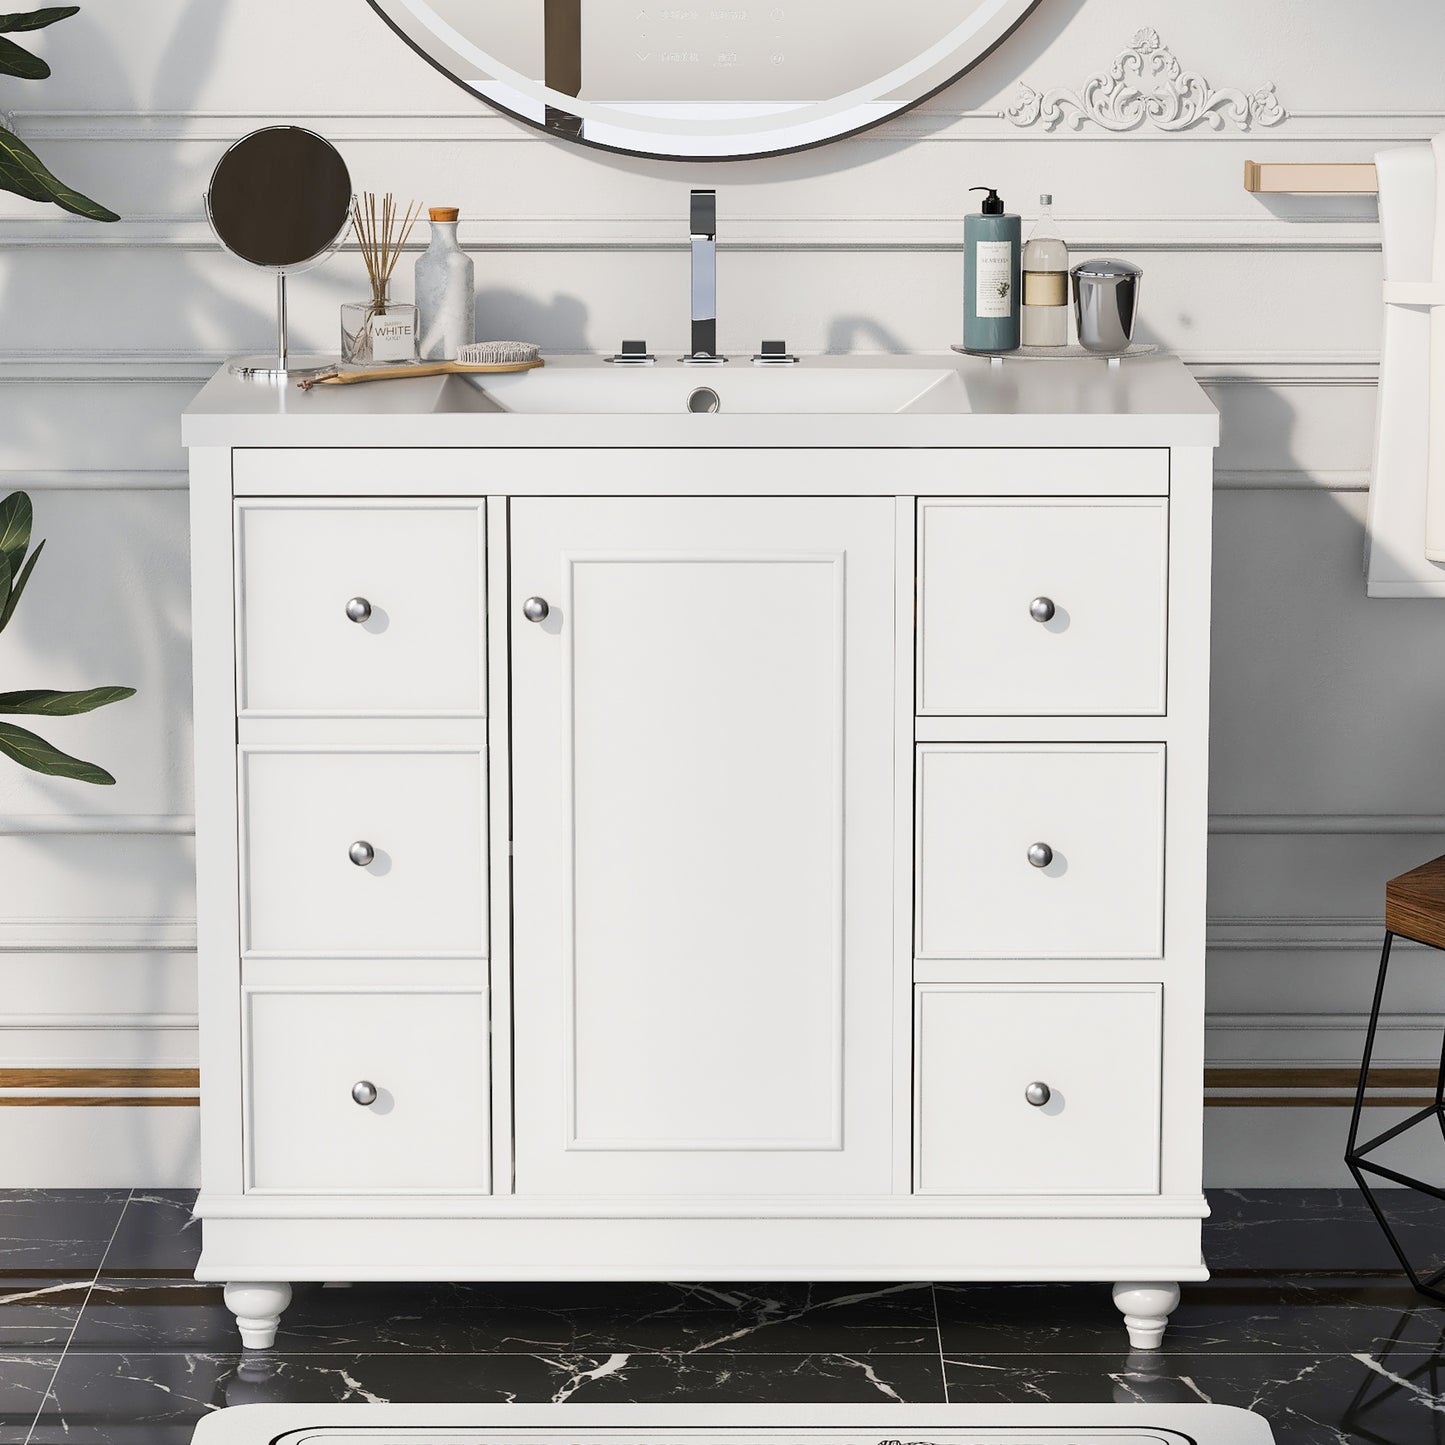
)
(126, 1088)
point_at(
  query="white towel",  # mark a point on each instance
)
(1396, 563)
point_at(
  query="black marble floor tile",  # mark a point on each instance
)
(150, 1314)
(1307, 1399)
(24, 1379)
(38, 1313)
(118, 1398)
(51, 1230)
(157, 1234)
(1287, 1230)
(1221, 1316)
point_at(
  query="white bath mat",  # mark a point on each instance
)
(733, 1425)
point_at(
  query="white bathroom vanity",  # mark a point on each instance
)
(759, 844)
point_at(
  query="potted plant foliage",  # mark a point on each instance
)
(21, 170)
(17, 742)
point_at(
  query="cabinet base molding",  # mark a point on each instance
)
(899, 1248)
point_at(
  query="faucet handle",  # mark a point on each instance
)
(702, 214)
(633, 353)
(774, 353)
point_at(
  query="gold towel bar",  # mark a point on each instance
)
(1319, 178)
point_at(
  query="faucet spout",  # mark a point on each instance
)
(702, 224)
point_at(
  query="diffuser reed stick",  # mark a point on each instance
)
(382, 235)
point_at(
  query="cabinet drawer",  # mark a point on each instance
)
(1096, 890)
(1095, 1048)
(421, 813)
(1096, 569)
(419, 567)
(425, 1055)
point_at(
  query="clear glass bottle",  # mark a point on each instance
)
(1046, 282)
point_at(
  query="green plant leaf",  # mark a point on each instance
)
(40, 757)
(5, 592)
(17, 517)
(17, 61)
(46, 702)
(7, 609)
(22, 173)
(37, 19)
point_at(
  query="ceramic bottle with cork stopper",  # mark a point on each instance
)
(445, 290)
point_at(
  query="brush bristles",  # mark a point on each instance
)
(498, 353)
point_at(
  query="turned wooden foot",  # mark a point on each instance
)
(257, 1308)
(1146, 1307)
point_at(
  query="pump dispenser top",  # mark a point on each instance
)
(991, 279)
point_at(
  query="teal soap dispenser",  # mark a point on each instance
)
(991, 290)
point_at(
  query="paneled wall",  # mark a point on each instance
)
(1329, 774)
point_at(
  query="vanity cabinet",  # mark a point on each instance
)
(748, 861)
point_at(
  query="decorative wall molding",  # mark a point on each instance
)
(1327, 228)
(936, 121)
(1146, 85)
(176, 934)
(103, 824)
(1328, 824)
(93, 481)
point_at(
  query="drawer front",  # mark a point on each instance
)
(423, 1055)
(418, 644)
(1095, 573)
(1046, 851)
(1096, 1051)
(420, 812)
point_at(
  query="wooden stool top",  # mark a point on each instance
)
(1415, 903)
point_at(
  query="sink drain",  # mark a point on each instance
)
(704, 398)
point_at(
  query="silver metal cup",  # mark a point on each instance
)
(1106, 304)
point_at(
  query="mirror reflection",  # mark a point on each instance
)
(724, 78)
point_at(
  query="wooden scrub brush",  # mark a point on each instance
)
(479, 357)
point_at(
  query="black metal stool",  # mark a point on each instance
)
(1414, 909)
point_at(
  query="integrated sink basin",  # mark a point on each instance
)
(588, 387)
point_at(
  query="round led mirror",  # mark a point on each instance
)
(719, 81)
(280, 198)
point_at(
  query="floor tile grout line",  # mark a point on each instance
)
(79, 1315)
(938, 1330)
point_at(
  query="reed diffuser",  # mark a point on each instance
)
(380, 330)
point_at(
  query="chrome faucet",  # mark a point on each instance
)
(702, 223)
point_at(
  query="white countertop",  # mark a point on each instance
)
(1146, 401)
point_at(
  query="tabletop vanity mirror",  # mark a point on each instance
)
(280, 200)
(717, 81)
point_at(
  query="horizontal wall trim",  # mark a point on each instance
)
(100, 1079)
(475, 122)
(98, 1101)
(96, 823)
(1264, 480)
(1423, 824)
(621, 232)
(171, 480)
(30, 1023)
(173, 934)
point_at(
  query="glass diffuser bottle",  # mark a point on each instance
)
(1046, 282)
(379, 331)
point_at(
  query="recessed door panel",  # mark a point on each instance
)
(702, 949)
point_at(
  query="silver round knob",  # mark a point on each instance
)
(364, 1092)
(535, 609)
(1042, 609)
(1040, 855)
(1038, 1094)
(358, 609)
(361, 853)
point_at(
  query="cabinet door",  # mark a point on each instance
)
(703, 844)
